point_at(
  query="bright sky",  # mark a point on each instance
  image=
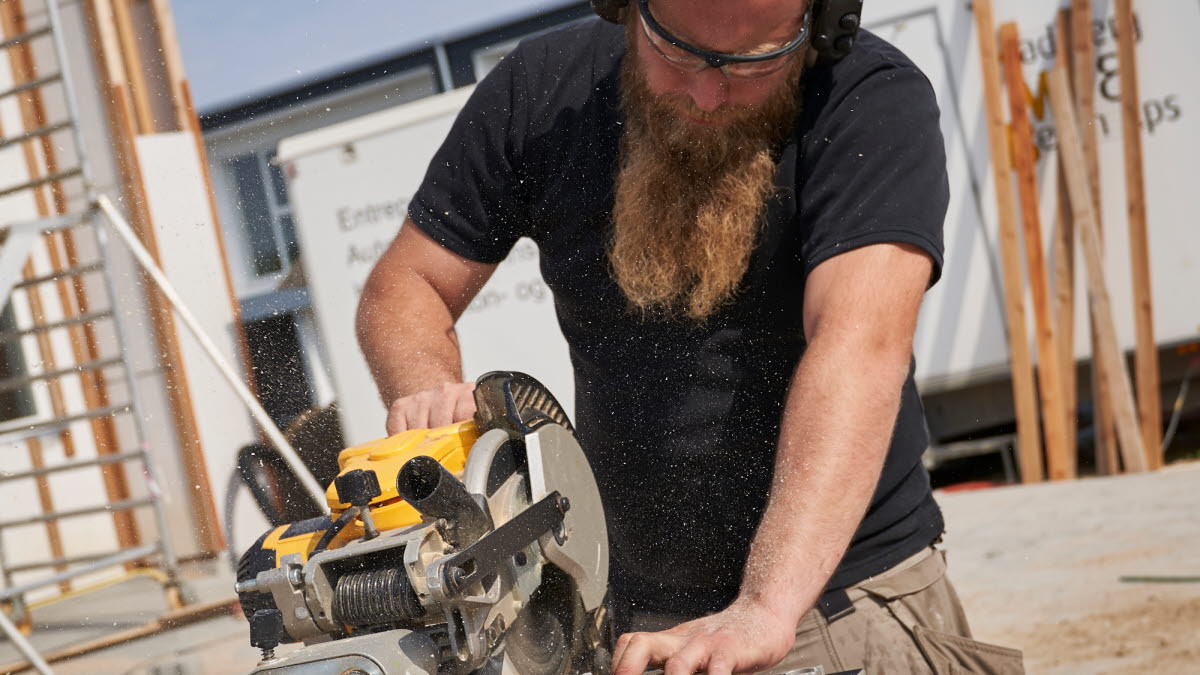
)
(236, 49)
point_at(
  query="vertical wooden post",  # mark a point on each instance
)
(1029, 445)
(1146, 353)
(1064, 276)
(135, 73)
(185, 113)
(111, 68)
(164, 20)
(1109, 356)
(1049, 371)
(1083, 57)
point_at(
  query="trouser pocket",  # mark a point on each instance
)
(955, 655)
(921, 599)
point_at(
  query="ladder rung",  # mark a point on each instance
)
(37, 182)
(32, 84)
(56, 562)
(76, 464)
(123, 505)
(35, 133)
(24, 37)
(14, 383)
(40, 429)
(99, 563)
(65, 323)
(63, 274)
(54, 223)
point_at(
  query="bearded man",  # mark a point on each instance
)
(738, 240)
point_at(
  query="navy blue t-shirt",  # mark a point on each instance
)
(679, 419)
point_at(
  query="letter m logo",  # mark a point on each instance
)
(1037, 101)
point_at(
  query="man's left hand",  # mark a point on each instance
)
(745, 637)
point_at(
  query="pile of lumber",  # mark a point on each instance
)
(1128, 428)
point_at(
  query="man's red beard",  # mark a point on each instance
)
(690, 196)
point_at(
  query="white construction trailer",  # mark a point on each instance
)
(350, 184)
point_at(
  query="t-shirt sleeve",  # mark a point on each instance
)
(876, 170)
(470, 199)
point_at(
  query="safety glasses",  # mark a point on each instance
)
(690, 58)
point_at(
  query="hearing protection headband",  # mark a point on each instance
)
(834, 27)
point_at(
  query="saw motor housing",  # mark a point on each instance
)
(445, 550)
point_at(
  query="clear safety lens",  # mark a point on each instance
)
(685, 60)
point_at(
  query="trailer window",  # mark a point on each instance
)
(266, 218)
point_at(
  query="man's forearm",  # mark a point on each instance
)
(406, 333)
(836, 428)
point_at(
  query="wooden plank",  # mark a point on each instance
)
(1145, 352)
(192, 124)
(1049, 371)
(164, 20)
(1108, 358)
(1029, 446)
(173, 619)
(1064, 277)
(166, 333)
(122, 132)
(135, 73)
(188, 120)
(1083, 58)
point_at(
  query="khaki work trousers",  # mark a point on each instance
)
(906, 620)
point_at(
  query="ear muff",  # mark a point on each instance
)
(835, 28)
(609, 10)
(835, 25)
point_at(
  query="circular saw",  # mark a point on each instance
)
(476, 547)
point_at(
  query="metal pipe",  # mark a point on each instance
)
(20, 381)
(75, 320)
(24, 646)
(114, 559)
(69, 466)
(123, 505)
(57, 562)
(121, 227)
(64, 70)
(55, 276)
(135, 400)
(24, 37)
(41, 429)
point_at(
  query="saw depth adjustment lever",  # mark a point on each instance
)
(358, 488)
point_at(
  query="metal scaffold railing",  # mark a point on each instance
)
(82, 413)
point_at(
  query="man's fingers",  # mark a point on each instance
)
(396, 424)
(465, 408)
(689, 659)
(397, 420)
(719, 663)
(437, 407)
(441, 411)
(418, 415)
(643, 649)
(619, 649)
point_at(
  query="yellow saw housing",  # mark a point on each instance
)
(449, 445)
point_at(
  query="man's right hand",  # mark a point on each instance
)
(445, 404)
